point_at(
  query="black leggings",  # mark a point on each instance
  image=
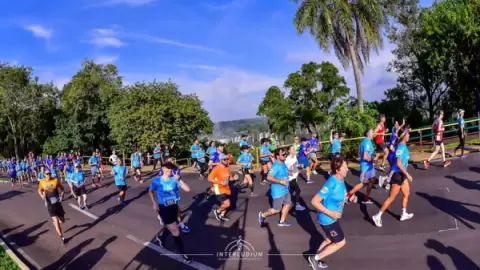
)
(203, 167)
(462, 143)
(294, 188)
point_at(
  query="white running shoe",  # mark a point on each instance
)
(387, 186)
(298, 207)
(406, 216)
(377, 220)
(381, 180)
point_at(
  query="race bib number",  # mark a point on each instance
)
(170, 202)
(53, 200)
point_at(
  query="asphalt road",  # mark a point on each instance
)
(442, 234)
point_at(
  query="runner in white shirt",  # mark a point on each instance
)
(113, 158)
(292, 164)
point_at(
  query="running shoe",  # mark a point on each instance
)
(217, 214)
(85, 207)
(309, 181)
(406, 216)
(314, 172)
(253, 194)
(315, 265)
(284, 224)
(463, 156)
(82, 207)
(382, 168)
(261, 218)
(99, 185)
(264, 182)
(185, 229)
(299, 207)
(426, 163)
(446, 163)
(224, 218)
(93, 185)
(381, 180)
(62, 240)
(387, 187)
(377, 220)
(159, 241)
(186, 259)
(367, 202)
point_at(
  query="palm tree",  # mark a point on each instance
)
(352, 28)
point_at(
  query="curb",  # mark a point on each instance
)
(12, 254)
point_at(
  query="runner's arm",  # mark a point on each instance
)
(272, 179)
(212, 175)
(400, 166)
(184, 186)
(366, 156)
(331, 136)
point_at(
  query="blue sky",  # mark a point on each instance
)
(227, 51)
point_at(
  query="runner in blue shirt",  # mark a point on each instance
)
(392, 145)
(245, 160)
(136, 165)
(94, 163)
(12, 172)
(367, 170)
(68, 171)
(167, 190)
(336, 144)
(461, 133)
(243, 141)
(61, 166)
(278, 177)
(19, 171)
(398, 183)
(303, 154)
(202, 162)
(314, 144)
(119, 173)
(329, 202)
(78, 185)
(265, 159)
(157, 153)
(193, 151)
(211, 150)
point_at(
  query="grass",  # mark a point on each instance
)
(6, 263)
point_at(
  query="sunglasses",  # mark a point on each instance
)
(47, 174)
(225, 159)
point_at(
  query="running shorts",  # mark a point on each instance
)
(278, 203)
(367, 175)
(334, 155)
(222, 197)
(397, 178)
(122, 187)
(12, 174)
(56, 210)
(438, 142)
(264, 162)
(381, 147)
(94, 170)
(304, 162)
(79, 191)
(313, 156)
(334, 232)
(246, 171)
(137, 168)
(168, 214)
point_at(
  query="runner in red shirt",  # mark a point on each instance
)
(379, 133)
(438, 130)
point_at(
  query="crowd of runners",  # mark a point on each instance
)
(280, 168)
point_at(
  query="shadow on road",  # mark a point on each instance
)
(7, 230)
(24, 238)
(434, 263)
(459, 259)
(467, 184)
(89, 259)
(455, 209)
(66, 259)
(10, 194)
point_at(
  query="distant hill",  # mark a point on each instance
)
(230, 129)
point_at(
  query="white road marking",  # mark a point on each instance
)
(451, 229)
(172, 255)
(85, 212)
(448, 190)
(19, 250)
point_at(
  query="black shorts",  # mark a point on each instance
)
(137, 168)
(397, 178)
(56, 210)
(334, 155)
(79, 191)
(246, 171)
(264, 162)
(168, 214)
(381, 147)
(222, 197)
(194, 160)
(438, 142)
(334, 232)
(122, 188)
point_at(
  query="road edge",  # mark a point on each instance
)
(11, 253)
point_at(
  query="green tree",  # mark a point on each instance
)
(278, 111)
(352, 28)
(157, 112)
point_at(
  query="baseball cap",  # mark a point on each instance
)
(222, 156)
(461, 111)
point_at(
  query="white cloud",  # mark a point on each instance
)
(106, 59)
(375, 80)
(105, 38)
(132, 3)
(39, 31)
(202, 67)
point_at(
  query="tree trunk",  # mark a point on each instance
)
(356, 74)
(14, 132)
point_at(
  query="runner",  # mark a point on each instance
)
(315, 144)
(220, 178)
(78, 186)
(166, 152)
(69, 170)
(380, 132)
(245, 160)
(367, 174)
(211, 150)
(265, 160)
(214, 161)
(94, 164)
(100, 162)
(336, 145)
(167, 190)
(19, 171)
(296, 144)
(61, 166)
(292, 164)
(12, 171)
(244, 140)
(202, 162)
(398, 182)
(391, 154)
(329, 202)
(119, 172)
(278, 177)
(461, 133)
(136, 166)
(78, 159)
(438, 130)
(157, 153)
(48, 189)
(193, 150)
(303, 155)
(113, 158)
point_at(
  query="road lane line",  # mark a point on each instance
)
(451, 229)
(85, 212)
(172, 255)
(21, 252)
(448, 190)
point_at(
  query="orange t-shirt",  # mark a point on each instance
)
(221, 175)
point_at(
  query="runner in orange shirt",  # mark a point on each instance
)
(220, 177)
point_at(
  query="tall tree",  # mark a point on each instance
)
(278, 111)
(157, 112)
(352, 28)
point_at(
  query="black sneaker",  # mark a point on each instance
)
(82, 207)
(62, 239)
(186, 259)
(159, 241)
(224, 218)
(85, 207)
(217, 214)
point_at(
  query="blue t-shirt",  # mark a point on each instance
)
(11, 167)
(333, 193)
(120, 174)
(264, 150)
(23, 165)
(210, 151)
(78, 179)
(461, 123)
(403, 153)
(136, 158)
(366, 146)
(41, 175)
(301, 152)
(336, 146)
(314, 143)
(201, 156)
(53, 171)
(69, 172)
(156, 153)
(167, 190)
(194, 149)
(243, 142)
(215, 158)
(95, 162)
(61, 162)
(246, 158)
(279, 170)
